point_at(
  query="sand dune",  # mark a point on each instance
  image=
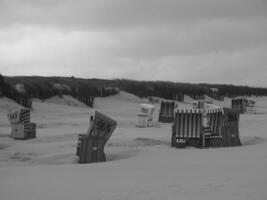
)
(65, 100)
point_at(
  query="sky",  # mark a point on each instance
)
(196, 41)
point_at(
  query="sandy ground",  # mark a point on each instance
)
(141, 164)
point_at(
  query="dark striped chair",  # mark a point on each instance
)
(166, 113)
(90, 146)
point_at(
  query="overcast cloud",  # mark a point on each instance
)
(210, 41)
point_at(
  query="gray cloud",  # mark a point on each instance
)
(124, 13)
(205, 37)
(186, 40)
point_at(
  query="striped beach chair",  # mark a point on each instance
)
(21, 126)
(188, 126)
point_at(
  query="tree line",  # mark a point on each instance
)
(46, 87)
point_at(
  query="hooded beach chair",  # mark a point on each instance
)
(90, 147)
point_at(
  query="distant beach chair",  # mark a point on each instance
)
(244, 106)
(166, 113)
(90, 146)
(21, 126)
(145, 116)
